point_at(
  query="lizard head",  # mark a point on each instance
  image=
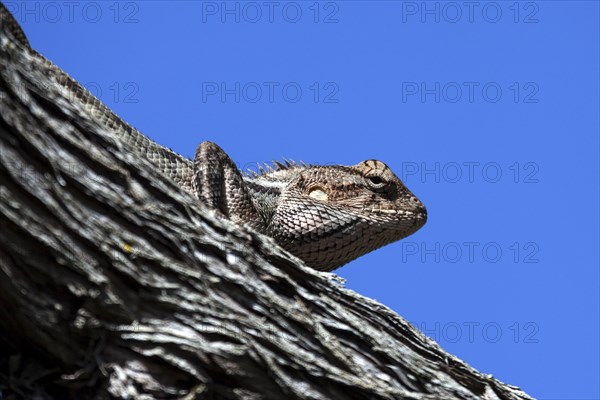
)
(330, 215)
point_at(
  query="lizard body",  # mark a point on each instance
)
(325, 215)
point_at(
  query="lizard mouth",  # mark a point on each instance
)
(405, 222)
(412, 220)
(419, 213)
(420, 220)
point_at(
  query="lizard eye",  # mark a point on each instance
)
(376, 181)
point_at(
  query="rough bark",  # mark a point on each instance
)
(114, 283)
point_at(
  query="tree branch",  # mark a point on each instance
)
(115, 283)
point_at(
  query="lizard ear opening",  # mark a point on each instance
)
(318, 193)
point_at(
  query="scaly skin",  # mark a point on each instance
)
(325, 215)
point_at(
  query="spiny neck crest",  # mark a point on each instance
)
(265, 169)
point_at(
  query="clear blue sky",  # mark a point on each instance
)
(489, 112)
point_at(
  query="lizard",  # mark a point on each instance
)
(325, 215)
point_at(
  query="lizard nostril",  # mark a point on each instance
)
(418, 205)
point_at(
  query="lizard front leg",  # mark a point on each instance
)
(218, 183)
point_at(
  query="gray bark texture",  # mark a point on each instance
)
(117, 284)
